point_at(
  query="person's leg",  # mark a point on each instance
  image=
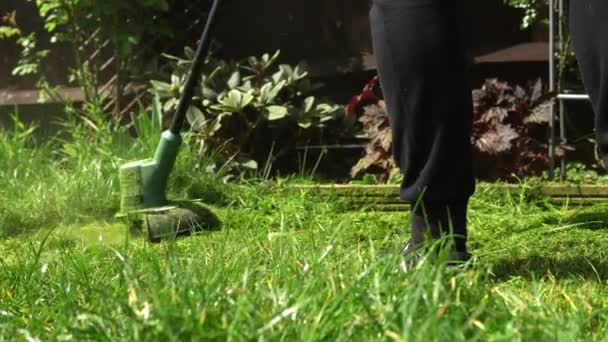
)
(423, 74)
(589, 30)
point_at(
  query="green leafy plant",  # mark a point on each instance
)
(8, 25)
(15, 140)
(88, 26)
(250, 107)
(30, 57)
(510, 129)
(377, 132)
(532, 9)
(580, 174)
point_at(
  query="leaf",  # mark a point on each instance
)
(364, 163)
(308, 103)
(250, 77)
(495, 114)
(7, 32)
(520, 93)
(25, 69)
(299, 74)
(235, 80)
(326, 109)
(246, 99)
(196, 118)
(250, 164)
(170, 105)
(537, 91)
(276, 112)
(163, 89)
(170, 57)
(265, 58)
(278, 76)
(264, 92)
(276, 90)
(305, 124)
(10, 18)
(234, 98)
(252, 60)
(497, 140)
(287, 69)
(540, 115)
(234, 101)
(216, 124)
(208, 93)
(214, 73)
(176, 80)
(274, 57)
(189, 53)
(246, 86)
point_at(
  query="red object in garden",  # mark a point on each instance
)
(366, 94)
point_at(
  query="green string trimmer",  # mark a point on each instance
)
(144, 183)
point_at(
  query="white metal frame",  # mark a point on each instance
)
(563, 96)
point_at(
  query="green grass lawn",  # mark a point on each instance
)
(289, 266)
(286, 265)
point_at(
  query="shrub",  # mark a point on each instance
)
(509, 130)
(371, 114)
(251, 108)
(91, 29)
(532, 9)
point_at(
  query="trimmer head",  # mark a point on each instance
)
(176, 220)
(143, 197)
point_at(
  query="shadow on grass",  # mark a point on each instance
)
(536, 267)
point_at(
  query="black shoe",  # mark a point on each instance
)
(413, 253)
(433, 221)
(457, 258)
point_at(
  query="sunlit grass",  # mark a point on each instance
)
(285, 266)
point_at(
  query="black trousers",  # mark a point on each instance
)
(589, 30)
(423, 72)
